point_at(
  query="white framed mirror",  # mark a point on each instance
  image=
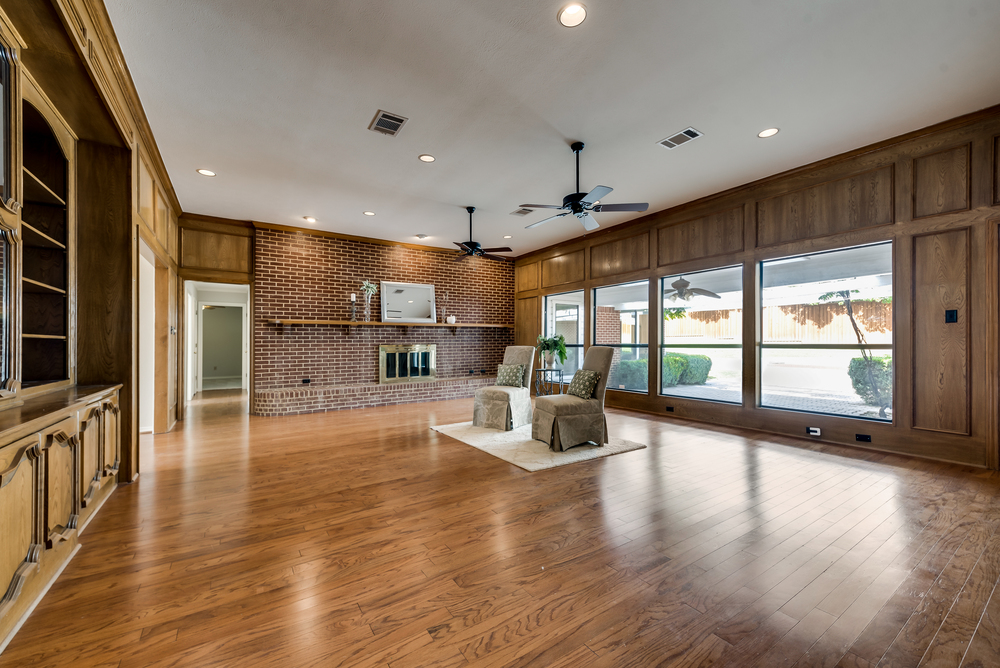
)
(408, 302)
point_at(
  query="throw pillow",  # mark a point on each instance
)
(584, 383)
(510, 375)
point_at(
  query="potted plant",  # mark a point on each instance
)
(369, 289)
(551, 346)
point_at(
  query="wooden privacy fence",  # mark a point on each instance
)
(798, 323)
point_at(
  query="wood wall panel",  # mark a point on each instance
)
(996, 170)
(526, 277)
(146, 205)
(90, 453)
(107, 315)
(208, 250)
(562, 269)
(941, 182)
(856, 202)
(941, 391)
(620, 257)
(527, 321)
(17, 513)
(161, 218)
(60, 485)
(716, 234)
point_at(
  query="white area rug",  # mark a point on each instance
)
(518, 448)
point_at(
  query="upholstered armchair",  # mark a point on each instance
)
(503, 407)
(565, 420)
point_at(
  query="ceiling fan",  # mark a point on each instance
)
(582, 204)
(472, 248)
(682, 291)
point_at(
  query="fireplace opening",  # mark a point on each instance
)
(416, 363)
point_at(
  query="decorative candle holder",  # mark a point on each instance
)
(354, 311)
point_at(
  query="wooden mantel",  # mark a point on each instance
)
(283, 323)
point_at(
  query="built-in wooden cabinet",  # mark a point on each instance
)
(65, 312)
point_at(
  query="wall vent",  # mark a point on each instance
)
(682, 137)
(387, 123)
(520, 212)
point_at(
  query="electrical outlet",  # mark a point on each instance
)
(306, 381)
(670, 409)
(813, 431)
(863, 438)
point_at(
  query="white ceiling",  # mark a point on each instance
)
(277, 96)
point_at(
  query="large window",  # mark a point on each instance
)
(564, 315)
(701, 356)
(621, 321)
(826, 343)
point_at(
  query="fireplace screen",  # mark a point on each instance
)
(415, 363)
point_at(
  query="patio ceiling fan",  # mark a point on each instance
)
(472, 248)
(683, 291)
(581, 204)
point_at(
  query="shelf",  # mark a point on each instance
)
(43, 336)
(36, 191)
(362, 323)
(29, 285)
(37, 238)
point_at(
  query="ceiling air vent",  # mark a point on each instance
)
(682, 137)
(387, 124)
(520, 212)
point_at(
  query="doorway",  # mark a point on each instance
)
(217, 338)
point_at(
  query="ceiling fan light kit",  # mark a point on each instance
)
(582, 204)
(474, 249)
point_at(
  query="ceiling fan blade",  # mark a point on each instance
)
(634, 206)
(498, 250)
(598, 193)
(704, 293)
(460, 257)
(540, 206)
(588, 222)
(461, 245)
(558, 215)
(498, 258)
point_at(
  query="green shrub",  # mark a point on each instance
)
(881, 370)
(674, 366)
(697, 370)
(633, 374)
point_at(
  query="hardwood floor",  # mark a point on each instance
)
(363, 538)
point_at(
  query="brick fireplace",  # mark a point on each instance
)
(309, 276)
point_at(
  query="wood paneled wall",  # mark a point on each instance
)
(935, 193)
(216, 249)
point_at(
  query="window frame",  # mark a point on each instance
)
(593, 328)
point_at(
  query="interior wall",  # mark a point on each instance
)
(222, 343)
(300, 275)
(147, 342)
(934, 194)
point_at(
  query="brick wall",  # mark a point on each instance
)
(301, 276)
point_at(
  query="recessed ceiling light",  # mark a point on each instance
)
(421, 236)
(309, 219)
(770, 132)
(369, 213)
(206, 172)
(572, 15)
(426, 157)
(507, 236)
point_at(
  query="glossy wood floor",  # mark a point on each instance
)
(363, 538)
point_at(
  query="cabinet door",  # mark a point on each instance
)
(90, 452)
(20, 539)
(60, 446)
(111, 437)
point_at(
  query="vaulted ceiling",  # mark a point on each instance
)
(276, 97)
